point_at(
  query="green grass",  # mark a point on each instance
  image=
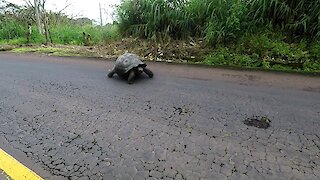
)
(16, 41)
(73, 34)
(267, 51)
(14, 33)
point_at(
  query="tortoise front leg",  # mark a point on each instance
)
(148, 72)
(131, 77)
(111, 73)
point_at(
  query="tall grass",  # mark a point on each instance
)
(270, 34)
(11, 29)
(73, 34)
(297, 17)
(218, 20)
(12, 32)
(152, 18)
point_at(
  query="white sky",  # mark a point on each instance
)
(80, 8)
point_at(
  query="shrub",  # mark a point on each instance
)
(11, 29)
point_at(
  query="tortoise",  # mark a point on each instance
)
(129, 66)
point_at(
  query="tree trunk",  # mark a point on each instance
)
(37, 12)
(46, 29)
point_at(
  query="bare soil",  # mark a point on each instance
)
(192, 51)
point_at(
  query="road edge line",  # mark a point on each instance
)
(14, 169)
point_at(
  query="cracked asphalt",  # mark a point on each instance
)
(67, 118)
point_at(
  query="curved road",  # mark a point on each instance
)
(64, 119)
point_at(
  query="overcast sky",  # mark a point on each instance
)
(80, 8)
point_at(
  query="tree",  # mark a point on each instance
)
(42, 17)
(37, 14)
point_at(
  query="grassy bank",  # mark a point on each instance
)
(275, 34)
(268, 51)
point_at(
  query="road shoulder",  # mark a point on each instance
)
(25, 160)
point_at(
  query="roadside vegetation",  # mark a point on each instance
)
(19, 22)
(62, 30)
(276, 34)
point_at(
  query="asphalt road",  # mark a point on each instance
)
(64, 119)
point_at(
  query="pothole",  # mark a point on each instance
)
(258, 122)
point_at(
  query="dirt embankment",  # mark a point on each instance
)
(174, 51)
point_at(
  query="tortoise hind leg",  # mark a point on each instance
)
(148, 72)
(111, 73)
(131, 77)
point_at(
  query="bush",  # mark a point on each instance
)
(268, 50)
(315, 50)
(229, 57)
(271, 46)
(11, 29)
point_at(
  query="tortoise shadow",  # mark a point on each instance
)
(140, 79)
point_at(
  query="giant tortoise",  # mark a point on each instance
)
(129, 66)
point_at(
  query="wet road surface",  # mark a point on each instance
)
(65, 119)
